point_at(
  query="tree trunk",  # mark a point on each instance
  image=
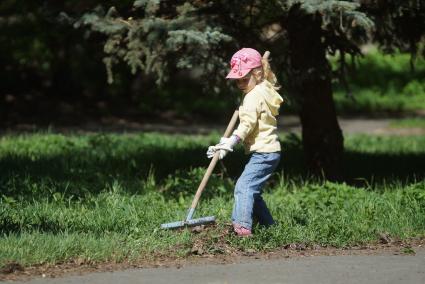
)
(311, 84)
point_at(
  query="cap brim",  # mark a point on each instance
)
(238, 74)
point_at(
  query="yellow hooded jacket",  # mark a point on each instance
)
(257, 119)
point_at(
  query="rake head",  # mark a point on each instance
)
(189, 223)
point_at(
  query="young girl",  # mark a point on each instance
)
(257, 130)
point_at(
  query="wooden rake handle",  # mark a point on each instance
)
(216, 157)
(214, 161)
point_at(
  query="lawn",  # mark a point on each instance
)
(382, 84)
(409, 123)
(102, 197)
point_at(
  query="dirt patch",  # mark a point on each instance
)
(209, 247)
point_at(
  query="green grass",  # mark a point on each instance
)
(117, 226)
(382, 84)
(103, 197)
(408, 123)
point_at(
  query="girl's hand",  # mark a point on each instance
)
(212, 150)
(226, 145)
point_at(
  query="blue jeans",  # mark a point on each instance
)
(248, 200)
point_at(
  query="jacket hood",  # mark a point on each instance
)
(271, 96)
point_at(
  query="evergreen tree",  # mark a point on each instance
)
(158, 36)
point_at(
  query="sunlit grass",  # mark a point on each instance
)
(381, 84)
(408, 123)
(104, 197)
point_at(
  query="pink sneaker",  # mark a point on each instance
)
(241, 231)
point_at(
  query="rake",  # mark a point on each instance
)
(189, 222)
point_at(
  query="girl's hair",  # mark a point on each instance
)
(264, 72)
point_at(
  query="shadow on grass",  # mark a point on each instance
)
(369, 169)
(176, 171)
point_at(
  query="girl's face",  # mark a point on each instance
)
(246, 83)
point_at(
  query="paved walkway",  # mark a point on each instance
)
(385, 268)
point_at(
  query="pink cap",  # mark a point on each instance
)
(243, 61)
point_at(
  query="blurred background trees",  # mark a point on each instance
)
(170, 57)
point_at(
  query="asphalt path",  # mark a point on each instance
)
(382, 268)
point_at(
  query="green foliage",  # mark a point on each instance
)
(380, 84)
(409, 123)
(384, 71)
(156, 40)
(49, 62)
(161, 36)
(343, 16)
(376, 103)
(400, 24)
